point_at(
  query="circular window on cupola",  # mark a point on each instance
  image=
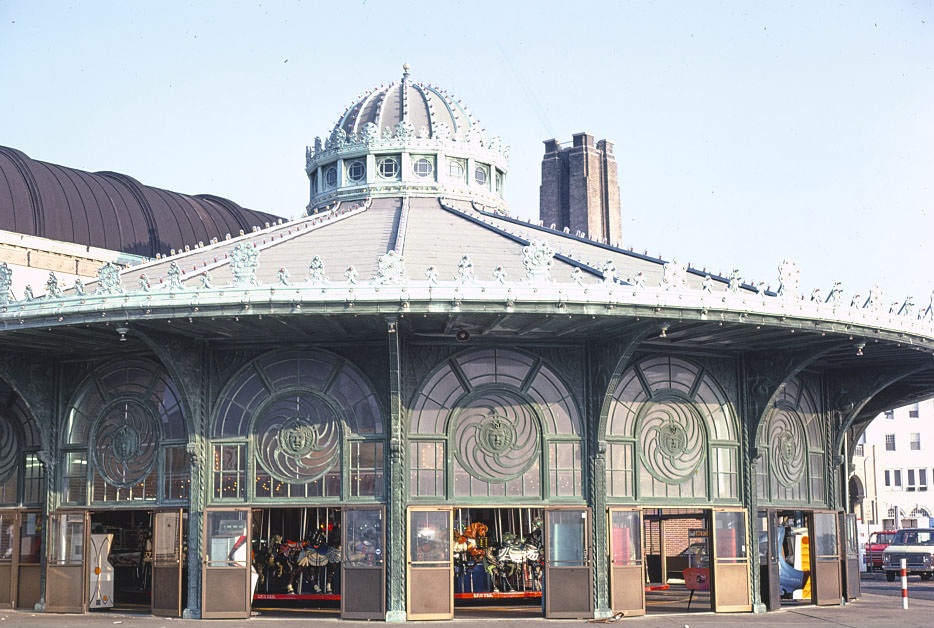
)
(356, 171)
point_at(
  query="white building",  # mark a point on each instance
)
(891, 484)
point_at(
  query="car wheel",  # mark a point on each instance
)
(890, 576)
(926, 576)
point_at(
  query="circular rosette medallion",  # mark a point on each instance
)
(9, 450)
(786, 446)
(124, 442)
(496, 436)
(297, 438)
(672, 439)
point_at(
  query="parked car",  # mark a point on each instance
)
(876, 544)
(916, 546)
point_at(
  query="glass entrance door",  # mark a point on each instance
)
(730, 561)
(825, 544)
(168, 530)
(363, 574)
(852, 556)
(627, 568)
(430, 584)
(66, 589)
(225, 580)
(568, 569)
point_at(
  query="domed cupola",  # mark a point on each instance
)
(406, 139)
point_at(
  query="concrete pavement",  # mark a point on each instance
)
(870, 611)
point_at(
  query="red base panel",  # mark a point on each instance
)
(657, 587)
(293, 596)
(497, 596)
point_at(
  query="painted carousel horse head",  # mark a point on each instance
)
(467, 543)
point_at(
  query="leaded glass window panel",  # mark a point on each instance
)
(8, 489)
(229, 471)
(716, 406)
(366, 469)
(790, 438)
(725, 472)
(555, 403)
(529, 483)
(329, 485)
(498, 411)
(564, 469)
(10, 459)
(629, 392)
(665, 374)
(20, 469)
(121, 420)
(102, 491)
(760, 466)
(426, 469)
(75, 477)
(619, 470)
(682, 431)
(176, 474)
(295, 414)
(495, 366)
(817, 477)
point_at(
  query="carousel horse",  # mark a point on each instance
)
(492, 565)
(534, 552)
(273, 560)
(512, 556)
(467, 544)
(308, 558)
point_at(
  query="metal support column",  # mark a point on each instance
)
(395, 556)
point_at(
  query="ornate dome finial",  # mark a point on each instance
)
(405, 70)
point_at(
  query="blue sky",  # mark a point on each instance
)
(745, 132)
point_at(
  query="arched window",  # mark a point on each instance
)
(494, 424)
(790, 466)
(125, 437)
(671, 434)
(295, 424)
(22, 475)
(920, 511)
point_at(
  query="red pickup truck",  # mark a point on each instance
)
(876, 544)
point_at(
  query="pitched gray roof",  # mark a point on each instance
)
(426, 231)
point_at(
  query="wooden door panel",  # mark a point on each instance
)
(826, 564)
(28, 589)
(430, 585)
(225, 576)
(28, 586)
(851, 552)
(6, 584)
(730, 561)
(627, 562)
(167, 533)
(568, 569)
(774, 582)
(9, 546)
(66, 571)
(362, 568)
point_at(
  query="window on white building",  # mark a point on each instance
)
(910, 486)
(915, 441)
(890, 414)
(922, 479)
(897, 477)
(888, 479)
(914, 411)
(890, 442)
